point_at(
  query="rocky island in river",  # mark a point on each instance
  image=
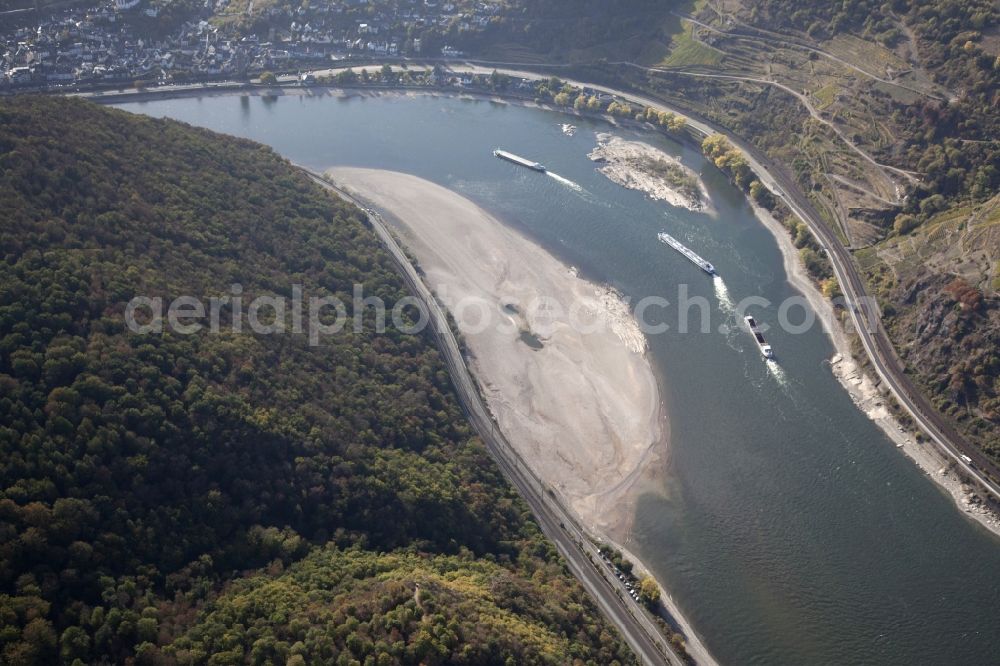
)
(639, 166)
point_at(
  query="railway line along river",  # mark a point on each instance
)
(784, 523)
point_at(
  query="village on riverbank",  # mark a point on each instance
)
(150, 43)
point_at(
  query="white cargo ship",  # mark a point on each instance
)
(758, 337)
(518, 160)
(680, 247)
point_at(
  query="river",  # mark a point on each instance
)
(788, 527)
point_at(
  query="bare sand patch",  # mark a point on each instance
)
(639, 166)
(561, 360)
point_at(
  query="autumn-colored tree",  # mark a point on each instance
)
(649, 591)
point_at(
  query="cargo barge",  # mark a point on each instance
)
(758, 337)
(694, 258)
(518, 160)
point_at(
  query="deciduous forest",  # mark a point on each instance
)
(229, 497)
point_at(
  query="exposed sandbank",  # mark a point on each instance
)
(639, 166)
(570, 387)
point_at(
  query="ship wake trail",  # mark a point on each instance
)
(722, 294)
(777, 372)
(565, 181)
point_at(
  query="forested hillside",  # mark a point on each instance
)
(229, 497)
(572, 31)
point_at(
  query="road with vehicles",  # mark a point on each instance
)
(638, 628)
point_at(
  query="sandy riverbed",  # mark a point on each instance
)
(639, 166)
(561, 360)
